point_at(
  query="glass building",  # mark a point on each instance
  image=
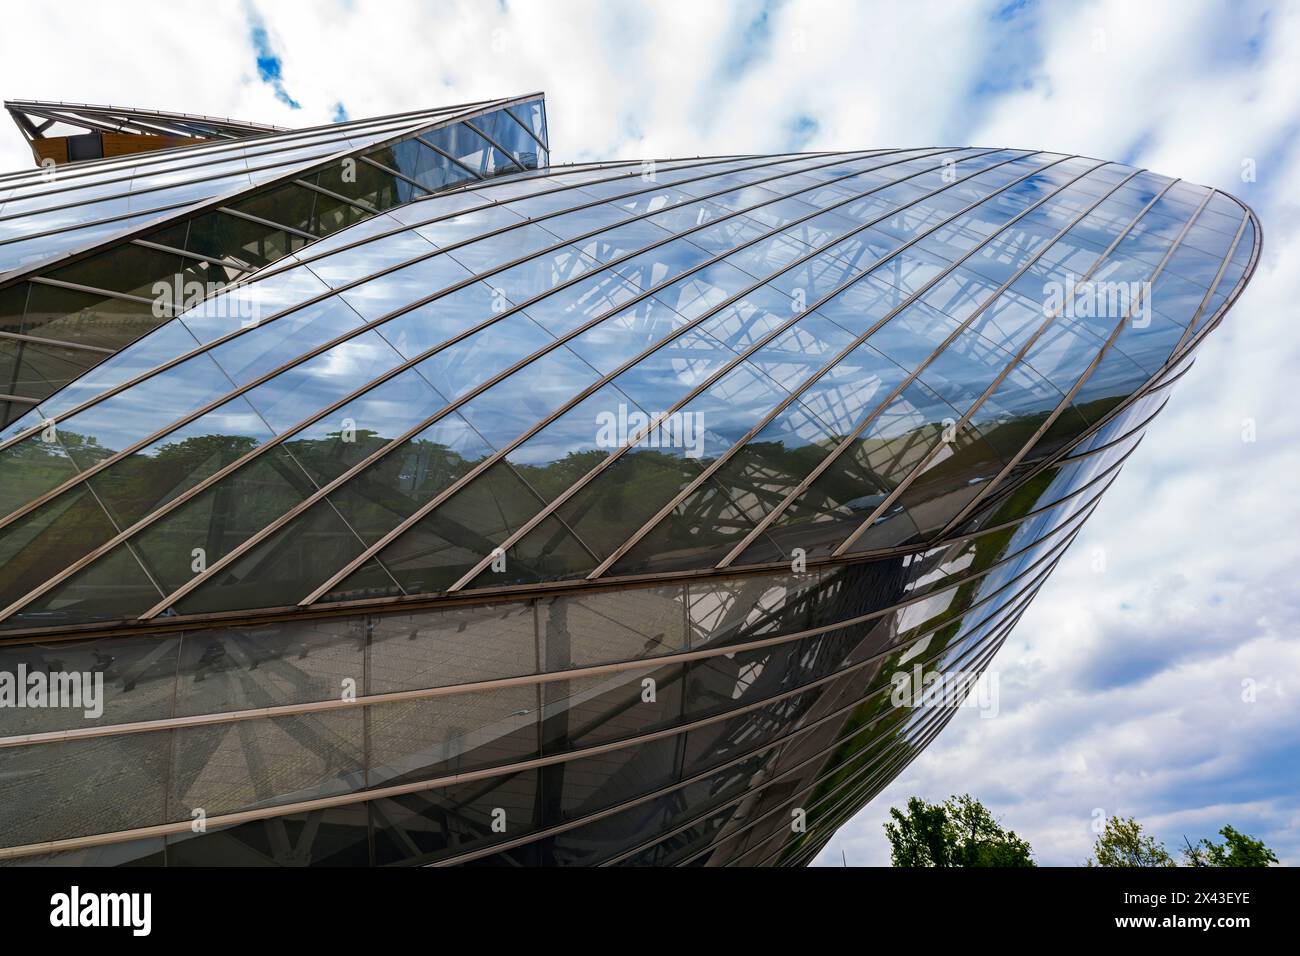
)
(479, 510)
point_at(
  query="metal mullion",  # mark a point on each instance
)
(197, 131)
(921, 466)
(862, 786)
(510, 157)
(126, 121)
(307, 259)
(55, 263)
(789, 400)
(212, 479)
(1068, 458)
(21, 399)
(880, 770)
(716, 376)
(529, 130)
(116, 112)
(140, 127)
(20, 636)
(1015, 362)
(895, 764)
(601, 382)
(357, 203)
(1108, 476)
(402, 176)
(1069, 396)
(1209, 293)
(453, 406)
(856, 791)
(92, 290)
(280, 810)
(880, 767)
(983, 654)
(329, 293)
(1065, 459)
(332, 507)
(1229, 300)
(221, 151)
(418, 786)
(310, 237)
(450, 158)
(102, 124)
(453, 779)
(72, 119)
(224, 263)
(39, 340)
(200, 487)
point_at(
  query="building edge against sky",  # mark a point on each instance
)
(595, 514)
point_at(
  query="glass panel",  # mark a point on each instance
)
(303, 390)
(281, 569)
(132, 414)
(388, 491)
(267, 347)
(860, 479)
(331, 445)
(149, 478)
(209, 526)
(114, 586)
(407, 285)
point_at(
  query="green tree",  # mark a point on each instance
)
(1122, 843)
(1237, 849)
(958, 832)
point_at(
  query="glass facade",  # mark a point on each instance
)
(584, 516)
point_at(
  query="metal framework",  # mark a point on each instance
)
(36, 118)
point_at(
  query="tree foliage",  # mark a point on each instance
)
(1122, 843)
(1237, 849)
(958, 832)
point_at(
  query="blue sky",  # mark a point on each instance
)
(1121, 691)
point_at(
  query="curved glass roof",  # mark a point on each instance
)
(599, 372)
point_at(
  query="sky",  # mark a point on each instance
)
(1165, 686)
